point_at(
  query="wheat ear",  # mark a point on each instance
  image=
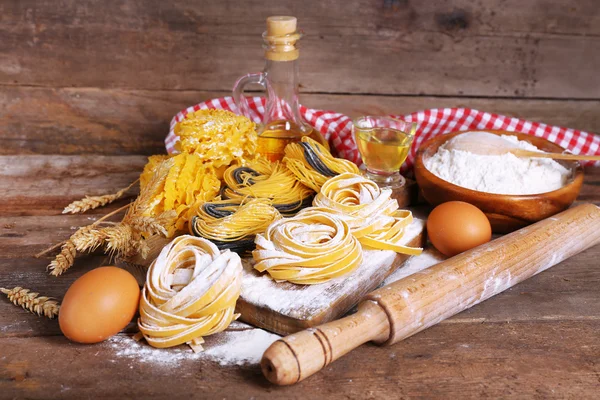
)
(85, 238)
(154, 225)
(119, 239)
(92, 202)
(31, 301)
(64, 260)
(88, 238)
(56, 246)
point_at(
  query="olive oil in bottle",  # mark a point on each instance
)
(275, 136)
(282, 122)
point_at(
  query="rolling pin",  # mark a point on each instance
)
(410, 305)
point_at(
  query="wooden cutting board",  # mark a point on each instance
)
(284, 307)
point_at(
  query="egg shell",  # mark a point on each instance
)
(98, 305)
(456, 226)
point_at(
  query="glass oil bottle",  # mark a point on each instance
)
(282, 122)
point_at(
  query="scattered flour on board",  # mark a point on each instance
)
(240, 344)
(294, 301)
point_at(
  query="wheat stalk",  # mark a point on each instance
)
(124, 238)
(88, 238)
(141, 247)
(64, 260)
(31, 301)
(154, 225)
(148, 225)
(100, 220)
(119, 239)
(92, 202)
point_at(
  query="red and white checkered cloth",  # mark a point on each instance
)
(337, 128)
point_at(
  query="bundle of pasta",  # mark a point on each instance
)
(313, 164)
(190, 292)
(218, 137)
(233, 226)
(188, 184)
(371, 213)
(312, 247)
(265, 180)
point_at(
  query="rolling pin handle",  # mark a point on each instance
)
(298, 356)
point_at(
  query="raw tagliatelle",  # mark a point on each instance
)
(233, 226)
(262, 179)
(190, 292)
(312, 247)
(372, 215)
(313, 164)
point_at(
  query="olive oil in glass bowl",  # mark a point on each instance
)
(383, 143)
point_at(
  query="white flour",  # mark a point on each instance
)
(240, 344)
(501, 174)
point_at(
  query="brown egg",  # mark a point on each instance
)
(456, 226)
(98, 305)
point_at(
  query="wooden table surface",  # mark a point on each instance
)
(87, 90)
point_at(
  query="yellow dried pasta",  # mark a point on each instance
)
(218, 137)
(310, 248)
(188, 184)
(371, 213)
(191, 290)
(313, 164)
(233, 226)
(262, 179)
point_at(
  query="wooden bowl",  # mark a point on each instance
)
(505, 212)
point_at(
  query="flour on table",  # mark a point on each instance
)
(500, 174)
(240, 344)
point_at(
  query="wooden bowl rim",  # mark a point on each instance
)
(577, 168)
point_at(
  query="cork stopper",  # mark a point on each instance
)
(281, 25)
(281, 37)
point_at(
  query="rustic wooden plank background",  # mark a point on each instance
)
(90, 77)
(87, 88)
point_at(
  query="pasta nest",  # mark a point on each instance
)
(233, 226)
(313, 164)
(218, 137)
(266, 180)
(191, 290)
(312, 247)
(370, 212)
